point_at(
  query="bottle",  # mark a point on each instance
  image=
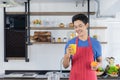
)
(72, 35)
(59, 39)
(95, 36)
(53, 40)
(64, 39)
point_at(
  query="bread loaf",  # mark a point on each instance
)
(44, 36)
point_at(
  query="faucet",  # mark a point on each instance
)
(62, 74)
(61, 63)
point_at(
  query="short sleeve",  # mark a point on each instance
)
(96, 48)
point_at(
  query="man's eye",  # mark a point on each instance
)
(80, 25)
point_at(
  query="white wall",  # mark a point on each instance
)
(108, 7)
(111, 35)
(48, 56)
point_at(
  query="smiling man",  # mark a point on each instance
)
(88, 49)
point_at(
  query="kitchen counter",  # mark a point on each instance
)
(44, 77)
(47, 79)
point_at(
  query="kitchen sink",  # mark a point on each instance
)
(61, 75)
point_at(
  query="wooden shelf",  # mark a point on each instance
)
(58, 28)
(103, 42)
(57, 42)
(51, 13)
(98, 27)
(50, 28)
(59, 13)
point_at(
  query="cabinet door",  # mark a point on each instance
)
(15, 43)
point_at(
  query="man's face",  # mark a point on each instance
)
(80, 27)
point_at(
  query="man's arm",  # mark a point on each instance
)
(99, 60)
(66, 59)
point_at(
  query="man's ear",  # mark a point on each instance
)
(87, 25)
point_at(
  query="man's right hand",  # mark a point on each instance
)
(69, 50)
(66, 59)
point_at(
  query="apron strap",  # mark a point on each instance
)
(89, 42)
(76, 41)
(90, 45)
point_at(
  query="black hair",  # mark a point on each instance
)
(81, 17)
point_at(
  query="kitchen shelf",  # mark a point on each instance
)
(98, 27)
(51, 13)
(58, 28)
(50, 28)
(103, 42)
(57, 42)
(59, 13)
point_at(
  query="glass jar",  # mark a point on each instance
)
(64, 39)
(53, 39)
(59, 39)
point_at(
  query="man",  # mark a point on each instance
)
(87, 50)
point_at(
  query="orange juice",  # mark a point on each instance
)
(73, 46)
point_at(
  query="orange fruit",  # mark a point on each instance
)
(94, 63)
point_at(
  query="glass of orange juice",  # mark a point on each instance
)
(73, 46)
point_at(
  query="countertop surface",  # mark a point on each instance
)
(37, 76)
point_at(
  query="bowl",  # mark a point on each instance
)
(99, 73)
(113, 75)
